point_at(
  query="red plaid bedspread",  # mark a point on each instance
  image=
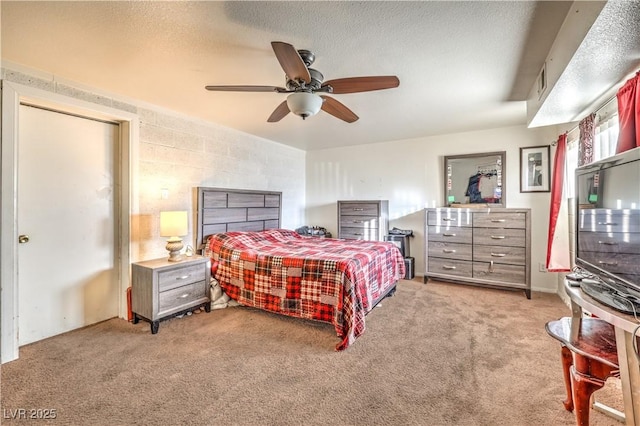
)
(335, 281)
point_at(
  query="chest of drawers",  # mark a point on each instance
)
(363, 220)
(490, 247)
(161, 289)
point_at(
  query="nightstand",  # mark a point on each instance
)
(161, 289)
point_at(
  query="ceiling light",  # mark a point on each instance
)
(304, 104)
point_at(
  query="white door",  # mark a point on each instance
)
(67, 274)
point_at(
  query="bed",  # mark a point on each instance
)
(277, 270)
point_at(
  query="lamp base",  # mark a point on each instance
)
(173, 247)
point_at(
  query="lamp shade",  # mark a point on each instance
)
(173, 224)
(304, 104)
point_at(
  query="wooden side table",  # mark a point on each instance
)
(161, 289)
(624, 328)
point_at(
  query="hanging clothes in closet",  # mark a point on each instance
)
(482, 187)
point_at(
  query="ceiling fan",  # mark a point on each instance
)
(304, 84)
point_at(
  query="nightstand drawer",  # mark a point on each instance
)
(178, 277)
(178, 297)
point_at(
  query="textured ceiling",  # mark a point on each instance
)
(462, 65)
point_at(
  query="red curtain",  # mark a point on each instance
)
(558, 252)
(629, 114)
(585, 144)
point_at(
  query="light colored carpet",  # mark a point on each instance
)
(435, 354)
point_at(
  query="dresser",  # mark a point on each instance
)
(481, 246)
(363, 220)
(161, 289)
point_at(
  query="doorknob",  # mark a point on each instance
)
(23, 239)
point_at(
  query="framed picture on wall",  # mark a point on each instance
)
(535, 170)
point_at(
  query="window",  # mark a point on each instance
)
(604, 143)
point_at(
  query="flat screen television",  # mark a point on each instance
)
(608, 220)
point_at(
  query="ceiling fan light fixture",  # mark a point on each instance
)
(304, 104)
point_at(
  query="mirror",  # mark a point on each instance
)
(475, 180)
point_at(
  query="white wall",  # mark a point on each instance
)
(409, 173)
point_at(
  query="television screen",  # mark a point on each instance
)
(608, 219)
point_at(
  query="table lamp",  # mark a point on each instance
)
(174, 225)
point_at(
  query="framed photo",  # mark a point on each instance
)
(535, 170)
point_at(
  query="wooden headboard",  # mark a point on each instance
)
(222, 210)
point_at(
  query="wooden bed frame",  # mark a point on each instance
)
(223, 210)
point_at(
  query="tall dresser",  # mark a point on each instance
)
(484, 246)
(363, 220)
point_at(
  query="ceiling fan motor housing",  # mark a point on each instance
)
(307, 57)
(316, 81)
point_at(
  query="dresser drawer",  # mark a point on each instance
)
(619, 242)
(621, 263)
(176, 298)
(499, 237)
(499, 220)
(449, 217)
(499, 272)
(449, 234)
(497, 254)
(359, 209)
(453, 267)
(359, 221)
(450, 250)
(177, 277)
(369, 234)
(604, 220)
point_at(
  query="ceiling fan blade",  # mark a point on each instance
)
(290, 61)
(362, 84)
(247, 89)
(279, 113)
(338, 110)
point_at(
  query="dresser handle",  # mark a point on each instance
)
(608, 243)
(608, 223)
(448, 219)
(448, 251)
(184, 277)
(498, 237)
(358, 221)
(498, 220)
(183, 296)
(448, 235)
(498, 254)
(447, 267)
(607, 263)
(355, 209)
(491, 267)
